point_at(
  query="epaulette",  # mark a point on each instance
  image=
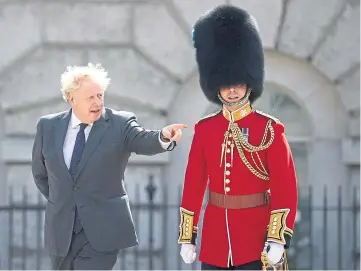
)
(209, 116)
(268, 116)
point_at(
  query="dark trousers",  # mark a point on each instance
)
(82, 256)
(256, 265)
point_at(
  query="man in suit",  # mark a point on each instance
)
(78, 162)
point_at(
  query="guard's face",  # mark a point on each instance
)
(234, 93)
(87, 101)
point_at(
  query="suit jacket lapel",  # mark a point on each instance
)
(60, 129)
(97, 132)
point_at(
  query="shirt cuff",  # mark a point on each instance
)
(164, 145)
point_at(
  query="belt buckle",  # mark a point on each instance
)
(266, 197)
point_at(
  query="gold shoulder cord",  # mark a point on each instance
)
(241, 142)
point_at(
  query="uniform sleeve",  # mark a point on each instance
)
(194, 187)
(283, 186)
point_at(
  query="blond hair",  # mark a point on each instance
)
(71, 79)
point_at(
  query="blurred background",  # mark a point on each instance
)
(312, 84)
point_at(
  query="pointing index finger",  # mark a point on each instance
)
(179, 126)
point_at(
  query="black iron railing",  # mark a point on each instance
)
(22, 246)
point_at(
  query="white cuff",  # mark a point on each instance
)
(164, 145)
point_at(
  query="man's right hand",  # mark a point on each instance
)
(188, 253)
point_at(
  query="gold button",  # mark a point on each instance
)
(275, 223)
(229, 142)
(228, 189)
(230, 135)
(228, 150)
(228, 165)
(273, 232)
(227, 181)
(274, 227)
(275, 219)
(228, 172)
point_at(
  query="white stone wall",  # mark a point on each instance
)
(146, 47)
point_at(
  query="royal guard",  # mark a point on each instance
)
(241, 154)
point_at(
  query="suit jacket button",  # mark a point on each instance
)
(75, 188)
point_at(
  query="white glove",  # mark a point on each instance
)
(188, 253)
(275, 253)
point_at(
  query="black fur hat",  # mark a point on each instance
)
(228, 51)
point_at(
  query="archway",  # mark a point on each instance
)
(306, 87)
(298, 126)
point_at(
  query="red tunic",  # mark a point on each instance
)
(237, 236)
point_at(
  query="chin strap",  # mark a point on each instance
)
(241, 102)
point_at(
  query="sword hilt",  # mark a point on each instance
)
(264, 260)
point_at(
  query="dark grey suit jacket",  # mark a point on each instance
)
(98, 188)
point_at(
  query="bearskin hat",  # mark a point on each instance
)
(229, 51)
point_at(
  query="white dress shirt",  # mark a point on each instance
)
(73, 129)
(69, 142)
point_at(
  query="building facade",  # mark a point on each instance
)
(312, 84)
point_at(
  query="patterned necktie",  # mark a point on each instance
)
(78, 150)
